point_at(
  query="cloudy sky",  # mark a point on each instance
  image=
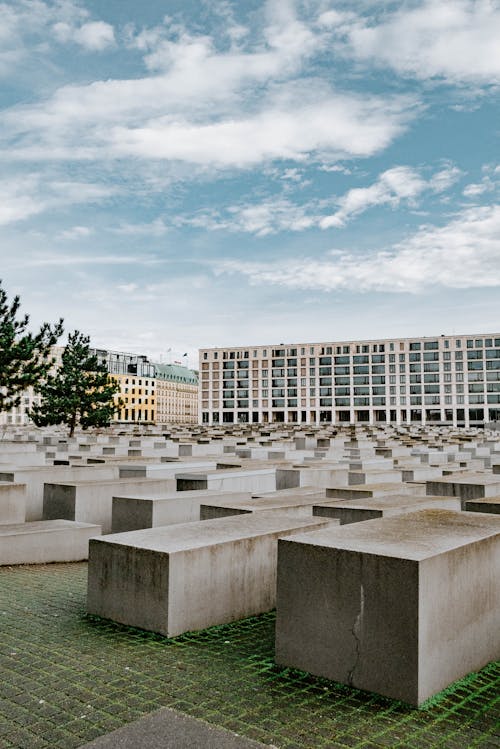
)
(178, 173)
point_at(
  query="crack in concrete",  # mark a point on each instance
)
(355, 630)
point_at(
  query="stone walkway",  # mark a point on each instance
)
(66, 679)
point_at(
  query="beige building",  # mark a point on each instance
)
(138, 395)
(176, 395)
(444, 379)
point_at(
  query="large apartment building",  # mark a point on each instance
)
(444, 379)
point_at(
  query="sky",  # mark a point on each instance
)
(178, 174)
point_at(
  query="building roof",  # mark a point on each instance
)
(176, 373)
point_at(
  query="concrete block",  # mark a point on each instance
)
(227, 480)
(190, 576)
(399, 606)
(92, 501)
(130, 513)
(44, 542)
(12, 502)
(491, 505)
(358, 510)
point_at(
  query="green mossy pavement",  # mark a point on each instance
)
(66, 678)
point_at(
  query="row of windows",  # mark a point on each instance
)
(363, 348)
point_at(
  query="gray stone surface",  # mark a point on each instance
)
(135, 512)
(190, 576)
(42, 542)
(400, 606)
(491, 505)
(170, 729)
(358, 510)
(92, 501)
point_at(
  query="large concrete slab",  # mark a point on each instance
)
(466, 486)
(186, 577)
(43, 542)
(130, 513)
(170, 729)
(34, 478)
(358, 510)
(491, 505)
(263, 479)
(300, 506)
(92, 501)
(400, 606)
(12, 502)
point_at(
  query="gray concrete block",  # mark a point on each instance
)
(132, 513)
(12, 502)
(400, 606)
(43, 542)
(92, 501)
(190, 576)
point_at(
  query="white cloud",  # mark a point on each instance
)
(455, 40)
(394, 186)
(262, 219)
(76, 232)
(489, 183)
(156, 228)
(27, 25)
(339, 126)
(401, 184)
(216, 108)
(93, 35)
(462, 254)
(24, 196)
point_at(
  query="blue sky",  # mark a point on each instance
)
(184, 174)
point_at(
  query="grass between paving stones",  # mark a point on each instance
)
(66, 678)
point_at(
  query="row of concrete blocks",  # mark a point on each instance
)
(400, 605)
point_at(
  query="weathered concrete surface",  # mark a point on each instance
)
(301, 506)
(491, 505)
(170, 729)
(364, 491)
(34, 478)
(400, 606)
(92, 501)
(263, 479)
(12, 502)
(190, 576)
(163, 470)
(357, 510)
(466, 486)
(132, 513)
(45, 541)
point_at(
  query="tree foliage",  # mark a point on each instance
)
(80, 392)
(25, 357)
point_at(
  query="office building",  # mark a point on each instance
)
(451, 380)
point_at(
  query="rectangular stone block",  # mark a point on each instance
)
(92, 501)
(359, 510)
(12, 502)
(133, 513)
(399, 606)
(43, 542)
(191, 576)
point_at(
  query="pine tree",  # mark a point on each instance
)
(80, 392)
(25, 357)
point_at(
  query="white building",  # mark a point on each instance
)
(446, 379)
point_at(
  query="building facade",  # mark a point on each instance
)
(176, 395)
(20, 415)
(451, 380)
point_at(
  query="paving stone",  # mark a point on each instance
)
(71, 661)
